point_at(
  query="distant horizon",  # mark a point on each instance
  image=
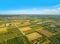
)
(30, 7)
(27, 14)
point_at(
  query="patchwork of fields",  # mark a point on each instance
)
(30, 29)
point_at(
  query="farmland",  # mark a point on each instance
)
(29, 29)
(33, 36)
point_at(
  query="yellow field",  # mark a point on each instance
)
(33, 36)
(27, 22)
(3, 29)
(25, 29)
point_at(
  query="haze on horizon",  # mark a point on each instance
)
(29, 6)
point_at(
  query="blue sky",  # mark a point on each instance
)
(27, 4)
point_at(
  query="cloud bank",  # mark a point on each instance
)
(51, 10)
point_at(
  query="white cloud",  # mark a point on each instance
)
(52, 10)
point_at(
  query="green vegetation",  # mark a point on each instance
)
(48, 26)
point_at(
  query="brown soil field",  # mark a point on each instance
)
(46, 42)
(46, 33)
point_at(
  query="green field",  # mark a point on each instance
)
(15, 29)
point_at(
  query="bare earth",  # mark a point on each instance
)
(46, 33)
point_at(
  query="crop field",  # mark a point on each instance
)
(46, 42)
(25, 29)
(46, 33)
(33, 36)
(2, 30)
(30, 29)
